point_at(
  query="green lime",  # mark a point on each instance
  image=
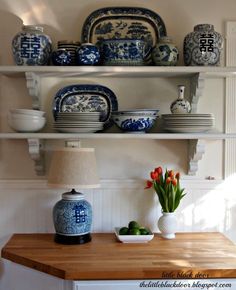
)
(134, 231)
(133, 225)
(123, 231)
(144, 231)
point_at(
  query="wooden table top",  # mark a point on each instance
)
(190, 255)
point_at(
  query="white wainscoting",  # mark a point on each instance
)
(26, 207)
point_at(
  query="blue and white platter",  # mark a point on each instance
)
(123, 22)
(86, 98)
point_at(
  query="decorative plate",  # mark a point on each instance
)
(133, 238)
(86, 98)
(123, 22)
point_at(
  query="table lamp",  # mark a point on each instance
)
(72, 168)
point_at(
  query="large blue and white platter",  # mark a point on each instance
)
(123, 22)
(86, 98)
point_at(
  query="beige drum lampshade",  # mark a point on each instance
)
(73, 167)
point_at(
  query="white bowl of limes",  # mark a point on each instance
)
(133, 233)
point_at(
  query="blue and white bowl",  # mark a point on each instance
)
(136, 121)
(61, 57)
(124, 51)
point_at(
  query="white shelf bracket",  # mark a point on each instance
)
(196, 151)
(33, 85)
(197, 85)
(36, 153)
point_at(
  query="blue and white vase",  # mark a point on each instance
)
(181, 105)
(203, 46)
(31, 46)
(165, 53)
(61, 57)
(88, 54)
(72, 217)
(71, 47)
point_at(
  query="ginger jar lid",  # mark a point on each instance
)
(32, 28)
(205, 27)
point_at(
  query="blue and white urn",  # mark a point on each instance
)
(181, 105)
(88, 54)
(31, 46)
(203, 46)
(72, 216)
(165, 53)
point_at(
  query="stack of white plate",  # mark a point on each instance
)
(188, 123)
(78, 122)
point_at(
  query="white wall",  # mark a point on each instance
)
(25, 200)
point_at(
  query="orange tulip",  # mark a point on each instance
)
(174, 182)
(154, 175)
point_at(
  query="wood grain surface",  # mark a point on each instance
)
(190, 255)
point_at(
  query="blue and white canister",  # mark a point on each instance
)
(61, 57)
(88, 54)
(165, 53)
(203, 46)
(72, 215)
(31, 46)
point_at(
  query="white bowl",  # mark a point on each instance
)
(25, 117)
(133, 238)
(27, 112)
(26, 125)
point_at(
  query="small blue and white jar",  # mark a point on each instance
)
(203, 46)
(61, 57)
(72, 217)
(88, 54)
(31, 46)
(165, 53)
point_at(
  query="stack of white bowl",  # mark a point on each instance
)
(78, 122)
(25, 120)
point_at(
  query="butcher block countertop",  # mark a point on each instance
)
(188, 256)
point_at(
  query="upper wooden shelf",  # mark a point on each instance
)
(118, 71)
(204, 255)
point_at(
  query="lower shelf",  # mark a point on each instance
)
(196, 141)
(170, 136)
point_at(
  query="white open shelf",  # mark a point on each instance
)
(158, 136)
(118, 71)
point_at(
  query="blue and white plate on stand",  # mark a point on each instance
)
(86, 98)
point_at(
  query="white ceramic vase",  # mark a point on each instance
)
(167, 224)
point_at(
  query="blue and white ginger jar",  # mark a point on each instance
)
(61, 57)
(31, 46)
(203, 46)
(88, 54)
(165, 53)
(72, 215)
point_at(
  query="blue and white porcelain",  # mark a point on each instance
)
(123, 22)
(86, 98)
(72, 215)
(180, 105)
(124, 52)
(31, 46)
(61, 57)
(203, 46)
(88, 54)
(70, 46)
(134, 122)
(165, 53)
